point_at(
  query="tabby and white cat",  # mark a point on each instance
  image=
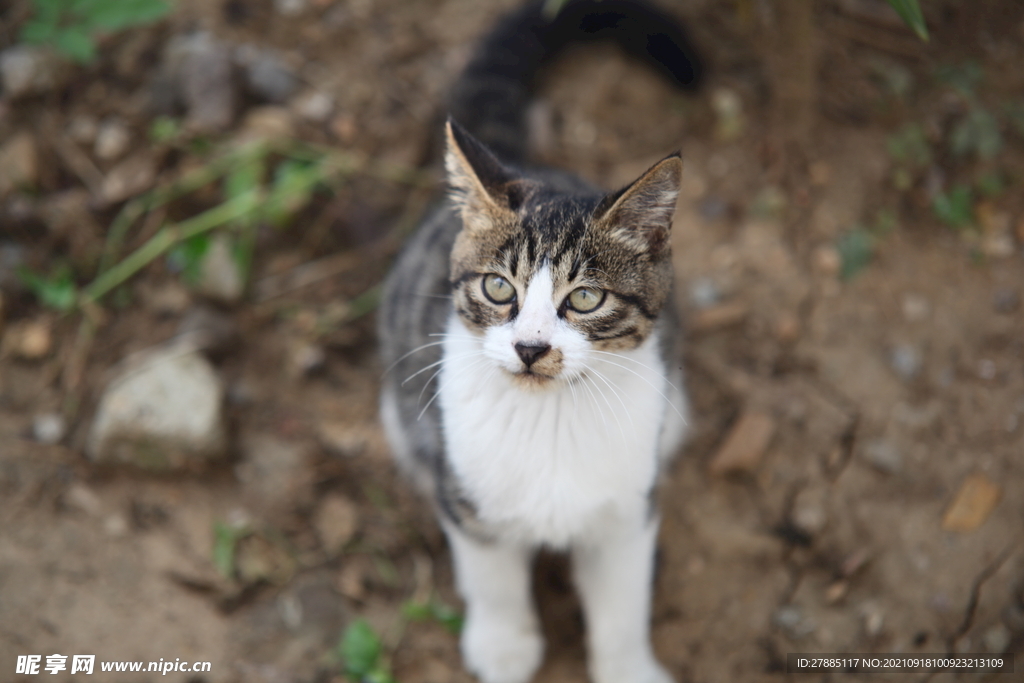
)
(533, 389)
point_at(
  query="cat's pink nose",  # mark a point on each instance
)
(529, 353)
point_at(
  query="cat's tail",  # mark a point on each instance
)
(491, 96)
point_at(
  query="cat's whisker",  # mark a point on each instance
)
(653, 386)
(614, 413)
(463, 370)
(403, 357)
(468, 354)
(634, 360)
(615, 392)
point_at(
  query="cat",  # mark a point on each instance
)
(529, 332)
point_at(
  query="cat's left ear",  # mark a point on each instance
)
(476, 178)
(642, 212)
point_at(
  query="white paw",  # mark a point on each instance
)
(643, 671)
(501, 652)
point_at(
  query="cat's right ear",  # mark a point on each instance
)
(475, 175)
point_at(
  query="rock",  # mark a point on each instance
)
(335, 523)
(745, 445)
(313, 105)
(12, 257)
(883, 455)
(30, 70)
(274, 472)
(19, 163)
(874, 619)
(29, 339)
(905, 360)
(267, 123)
(836, 592)
(343, 439)
(48, 428)
(112, 140)
(161, 412)
(290, 8)
(916, 308)
(793, 622)
(305, 359)
(704, 293)
(200, 67)
(974, 502)
(719, 316)
(996, 639)
(220, 277)
(827, 261)
(267, 76)
(131, 177)
(809, 512)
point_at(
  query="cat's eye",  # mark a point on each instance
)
(498, 289)
(585, 299)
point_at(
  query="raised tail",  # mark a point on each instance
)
(491, 96)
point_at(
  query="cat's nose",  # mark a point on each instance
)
(529, 353)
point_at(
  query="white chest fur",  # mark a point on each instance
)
(551, 465)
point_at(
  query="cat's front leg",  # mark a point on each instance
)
(613, 572)
(501, 641)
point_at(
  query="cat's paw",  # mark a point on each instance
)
(642, 671)
(499, 652)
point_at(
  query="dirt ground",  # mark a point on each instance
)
(885, 513)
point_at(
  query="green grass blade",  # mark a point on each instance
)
(911, 13)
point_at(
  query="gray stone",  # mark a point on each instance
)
(792, 621)
(112, 140)
(267, 76)
(220, 276)
(48, 428)
(200, 68)
(905, 360)
(128, 178)
(29, 70)
(883, 455)
(161, 412)
(704, 293)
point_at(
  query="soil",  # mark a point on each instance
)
(884, 514)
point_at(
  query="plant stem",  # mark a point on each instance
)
(167, 238)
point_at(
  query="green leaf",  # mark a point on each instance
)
(909, 146)
(855, 251)
(911, 13)
(435, 610)
(225, 538)
(115, 15)
(57, 291)
(187, 257)
(956, 207)
(76, 43)
(360, 649)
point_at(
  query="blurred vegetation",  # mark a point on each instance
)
(73, 26)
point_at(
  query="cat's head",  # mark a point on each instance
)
(547, 278)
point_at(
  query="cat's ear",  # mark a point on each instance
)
(476, 178)
(641, 213)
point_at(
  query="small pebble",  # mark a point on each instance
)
(973, 504)
(916, 308)
(905, 360)
(48, 428)
(836, 592)
(997, 639)
(874, 620)
(115, 525)
(827, 261)
(80, 497)
(83, 129)
(745, 445)
(314, 106)
(29, 339)
(883, 455)
(269, 78)
(791, 620)
(704, 293)
(112, 140)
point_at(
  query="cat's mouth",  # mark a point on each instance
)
(530, 379)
